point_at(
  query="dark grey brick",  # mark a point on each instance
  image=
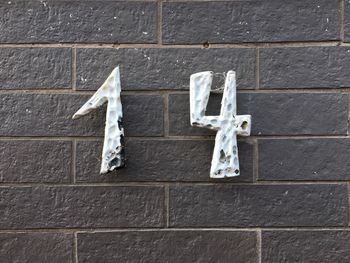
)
(165, 68)
(35, 161)
(85, 207)
(51, 115)
(309, 159)
(305, 67)
(36, 247)
(272, 113)
(258, 205)
(78, 21)
(346, 21)
(250, 21)
(38, 68)
(159, 160)
(306, 246)
(168, 246)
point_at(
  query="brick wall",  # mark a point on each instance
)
(290, 203)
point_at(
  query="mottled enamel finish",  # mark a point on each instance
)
(113, 146)
(228, 125)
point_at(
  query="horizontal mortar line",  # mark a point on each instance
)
(299, 182)
(77, 92)
(161, 184)
(271, 90)
(161, 91)
(170, 138)
(296, 90)
(141, 1)
(185, 1)
(70, 230)
(249, 138)
(70, 91)
(223, 182)
(298, 137)
(114, 229)
(53, 138)
(245, 90)
(109, 45)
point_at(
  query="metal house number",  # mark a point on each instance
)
(228, 124)
(113, 146)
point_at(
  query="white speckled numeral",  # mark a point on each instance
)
(228, 125)
(113, 146)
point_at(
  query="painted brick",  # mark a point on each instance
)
(306, 246)
(35, 161)
(39, 68)
(250, 21)
(78, 21)
(84, 207)
(159, 160)
(36, 247)
(272, 113)
(165, 68)
(309, 159)
(168, 246)
(258, 205)
(51, 115)
(305, 67)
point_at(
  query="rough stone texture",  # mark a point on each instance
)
(159, 160)
(39, 68)
(304, 67)
(166, 68)
(306, 246)
(77, 21)
(309, 159)
(168, 246)
(84, 207)
(51, 115)
(36, 247)
(258, 205)
(35, 161)
(272, 113)
(250, 21)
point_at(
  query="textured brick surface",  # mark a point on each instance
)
(51, 115)
(309, 159)
(291, 202)
(250, 21)
(258, 205)
(36, 247)
(40, 68)
(166, 68)
(77, 21)
(168, 246)
(159, 160)
(305, 246)
(272, 113)
(104, 206)
(305, 67)
(35, 161)
(347, 21)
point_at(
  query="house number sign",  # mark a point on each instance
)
(228, 124)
